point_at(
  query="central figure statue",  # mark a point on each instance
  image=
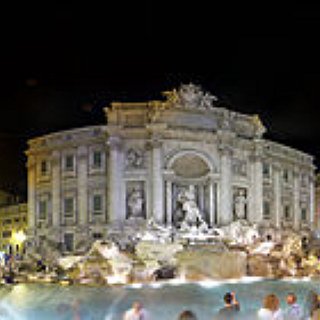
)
(192, 217)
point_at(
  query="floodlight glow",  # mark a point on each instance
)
(19, 236)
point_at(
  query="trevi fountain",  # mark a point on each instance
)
(188, 202)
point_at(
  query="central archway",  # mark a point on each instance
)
(190, 168)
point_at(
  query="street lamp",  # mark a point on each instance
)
(19, 237)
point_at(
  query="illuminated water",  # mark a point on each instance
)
(33, 301)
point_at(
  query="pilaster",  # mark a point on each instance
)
(169, 202)
(157, 181)
(256, 190)
(296, 199)
(277, 194)
(31, 165)
(155, 145)
(115, 205)
(225, 201)
(82, 182)
(56, 187)
(312, 202)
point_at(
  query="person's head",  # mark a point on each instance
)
(313, 302)
(271, 302)
(228, 298)
(187, 315)
(291, 298)
(137, 306)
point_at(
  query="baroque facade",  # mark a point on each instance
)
(150, 157)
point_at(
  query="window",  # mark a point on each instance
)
(17, 220)
(68, 207)
(43, 209)
(44, 168)
(68, 241)
(97, 204)
(266, 209)
(287, 212)
(97, 159)
(6, 222)
(304, 180)
(6, 234)
(69, 163)
(285, 175)
(266, 170)
(41, 240)
(97, 235)
(303, 214)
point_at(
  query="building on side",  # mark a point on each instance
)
(13, 227)
(86, 183)
(317, 202)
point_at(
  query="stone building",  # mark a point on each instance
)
(13, 226)
(317, 202)
(85, 182)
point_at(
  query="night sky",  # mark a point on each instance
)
(60, 65)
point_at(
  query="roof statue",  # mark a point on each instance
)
(259, 127)
(190, 96)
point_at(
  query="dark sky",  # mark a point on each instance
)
(61, 64)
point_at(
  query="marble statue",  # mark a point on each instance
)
(135, 204)
(190, 96)
(240, 205)
(259, 127)
(192, 217)
(240, 232)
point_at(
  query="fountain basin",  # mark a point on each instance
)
(163, 300)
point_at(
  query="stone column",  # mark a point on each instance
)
(201, 198)
(31, 165)
(277, 194)
(169, 202)
(312, 202)
(56, 188)
(157, 182)
(296, 199)
(211, 203)
(225, 202)
(256, 214)
(115, 180)
(82, 182)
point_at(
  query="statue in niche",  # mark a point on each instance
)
(135, 204)
(192, 217)
(240, 202)
(134, 158)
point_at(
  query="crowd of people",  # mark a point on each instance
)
(270, 309)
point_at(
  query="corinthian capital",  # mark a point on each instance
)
(154, 143)
(114, 142)
(31, 162)
(226, 150)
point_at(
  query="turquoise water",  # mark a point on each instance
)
(165, 301)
